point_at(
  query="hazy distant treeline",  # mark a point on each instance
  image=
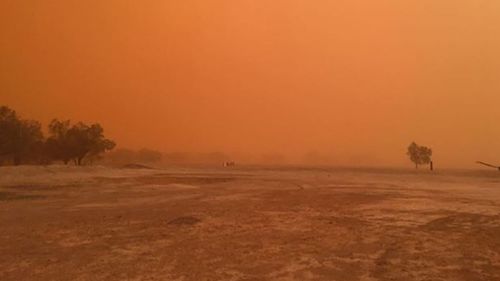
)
(22, 141)
(126, 156)
(147, 156)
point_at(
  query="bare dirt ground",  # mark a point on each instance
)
(59, 223)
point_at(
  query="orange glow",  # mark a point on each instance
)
(355, 81)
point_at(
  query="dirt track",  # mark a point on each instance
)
(249, 224)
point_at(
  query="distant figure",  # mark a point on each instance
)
(432, 166)
(228, 164)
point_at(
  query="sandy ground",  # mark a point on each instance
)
(59, 223)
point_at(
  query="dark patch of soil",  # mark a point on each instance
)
(183, 180)
(11, 196)
(137, 166)
(461, 221)
(188, 220)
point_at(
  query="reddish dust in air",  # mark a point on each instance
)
(339, 82)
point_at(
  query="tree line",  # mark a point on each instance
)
(22, 141)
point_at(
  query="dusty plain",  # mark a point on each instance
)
(248, 223)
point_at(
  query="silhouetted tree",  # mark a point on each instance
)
(419, 155)
(76, 142)
(8, 124)
(58, 144)
(30, 138)
(39, 153)
(19, 139)
(94, 143)
(22, 141)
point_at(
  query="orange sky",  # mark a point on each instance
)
(355, 81)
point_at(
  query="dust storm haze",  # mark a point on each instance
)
(340, 82)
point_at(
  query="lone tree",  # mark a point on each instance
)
(419, 155)
(76, 142)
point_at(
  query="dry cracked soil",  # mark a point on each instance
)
(248, 223)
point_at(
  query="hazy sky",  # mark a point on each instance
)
(354, 80)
